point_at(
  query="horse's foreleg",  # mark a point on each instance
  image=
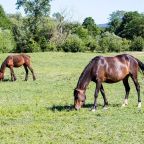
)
(104, 96)
(26, 70)
(98, 85)
(34, 78)
(13, 77)
(127, 90)
(134, 78)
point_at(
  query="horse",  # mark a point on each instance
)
(16, 60)
(109, 70)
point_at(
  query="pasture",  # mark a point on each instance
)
(39, 112)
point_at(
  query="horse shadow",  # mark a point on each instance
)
(6, 80)
(60, 108)
(71, 107)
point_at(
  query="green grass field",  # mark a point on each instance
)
(39, 112)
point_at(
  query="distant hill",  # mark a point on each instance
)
(103, 25)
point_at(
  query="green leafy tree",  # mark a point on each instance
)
(132, 25)
(137, 44)
(4, 20)
(113, 25)
(89, 24)
(115, 20)
(36, 10)
(116, 15)
(7, 43)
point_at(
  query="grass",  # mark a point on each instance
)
(39, 112)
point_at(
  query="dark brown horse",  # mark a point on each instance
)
(109, 70)
(16, 61)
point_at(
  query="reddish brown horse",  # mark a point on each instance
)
(110, 70)
(16, 61)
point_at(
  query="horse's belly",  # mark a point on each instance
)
(115, 78)
(111, 81)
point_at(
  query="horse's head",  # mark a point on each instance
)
(79, 98)
(1, 76)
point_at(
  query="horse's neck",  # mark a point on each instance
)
(3, 67)
(84, 80)
(83, 85)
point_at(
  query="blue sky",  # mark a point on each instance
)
(78, 10)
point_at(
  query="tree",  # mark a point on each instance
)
(132, 25)
(137, 44)
(115, 20)
(89, 24)
(35, 10)
(116, 15)
(4, 21)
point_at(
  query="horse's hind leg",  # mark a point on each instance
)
(34, 78)
(134, 78)
(104, 96)
(127, 90)
(26, 70)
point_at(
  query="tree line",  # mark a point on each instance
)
(37, 31)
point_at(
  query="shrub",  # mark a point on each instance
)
(7, 43)
(43, 43)
(33, 46)
(51, 46)
(92, 45)
(112, 43)
(137, 44)
(73, 44)
(81, 32)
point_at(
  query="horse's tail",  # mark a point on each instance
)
(141, 64)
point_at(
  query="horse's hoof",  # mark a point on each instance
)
(139, 105)
(105, 108)
(124, 105)
(93, 110)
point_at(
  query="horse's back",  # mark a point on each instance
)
(17, 60)
(114, 69)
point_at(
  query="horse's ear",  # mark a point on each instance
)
(79, 90)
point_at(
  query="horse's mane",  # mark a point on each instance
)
(87, 69)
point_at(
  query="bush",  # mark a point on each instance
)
(92, 45)
(137, 44)
(51, 46)
(33, 46)
(7, 43)
(73, 44)
(43, 43)
(112, 43)
(81, 32)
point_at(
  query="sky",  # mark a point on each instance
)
(78, 10)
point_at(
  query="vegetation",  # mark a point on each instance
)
(38, 32)
(41, 111)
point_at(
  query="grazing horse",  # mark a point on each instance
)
(109, 70)
(16, 61)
